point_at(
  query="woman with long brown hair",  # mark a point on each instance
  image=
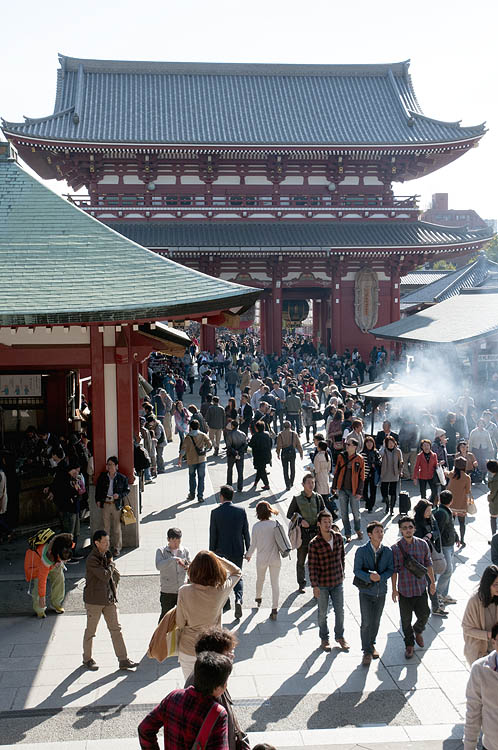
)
(267, 554)
(200, 602)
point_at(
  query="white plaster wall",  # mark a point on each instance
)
(109, 336)
(190, 179)
(56, 337)
(166, 179)
(297, 180)
(111, 410)
(316, 180)
(253, 180)
(227, 179)
(109, 179)
(132, 179)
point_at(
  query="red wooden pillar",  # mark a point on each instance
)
(324, 321)
(335, 314)
(317, 314)
(276, 317)
(263, 325)
(208, 338)
(98, 399)
(124, 398)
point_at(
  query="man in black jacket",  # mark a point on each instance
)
(236, 443)
(110, 493)
(66, 497)
(228, 535)
(444, 519)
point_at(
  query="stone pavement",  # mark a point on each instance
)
(286, 690)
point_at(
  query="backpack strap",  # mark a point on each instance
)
(207, 725)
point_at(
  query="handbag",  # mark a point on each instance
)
(415, 568)
(127, 515)
(439, 563)
(316, 416)
(361, 584)
(440, 475)
(471, 507)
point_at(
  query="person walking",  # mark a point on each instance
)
(185, 713)
(172, 562)
(111, 490)
(482, 689)
(236, 445)
(448, 536)
(261, 445)
(481, 445)
(194, 449)
(373, 567)
(182, 418)
(409, 589)
(288, 444)
(349, 478)
(309, 406)
(66, 493)
(216, 420)
(293, 410)
(267, 553)
(157, 430)
(245, 413)
(492, 467)
(100, 598)
(459, 485)
(322, 465)
(481, 614)
(326, 566)
(426, 528)
(229, 538)
(167, 404)
(424, 471)
(200, 602)
(390, 473)
(372, 460)
(308, 504)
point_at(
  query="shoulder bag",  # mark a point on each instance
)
(413, 565)
(438, 559)
(282, 541)
(207, 725)
(199, 451)
(360, 583)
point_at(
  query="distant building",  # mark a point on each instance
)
(439, 213)
(492, 224)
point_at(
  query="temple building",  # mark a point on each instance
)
(80, 302)
(275, 176)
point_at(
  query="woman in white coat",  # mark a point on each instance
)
(267, 554)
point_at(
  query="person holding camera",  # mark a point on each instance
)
(100, 598)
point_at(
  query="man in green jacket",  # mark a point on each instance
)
(308, 505)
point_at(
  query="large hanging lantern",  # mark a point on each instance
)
(294, 311)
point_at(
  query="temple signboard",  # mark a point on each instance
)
(366, 299)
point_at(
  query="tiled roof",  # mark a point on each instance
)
(450, 284)
(293, 234)
(460, 318)
(419, 278)
(59, 265)
(211, 103)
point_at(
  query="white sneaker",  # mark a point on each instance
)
(448, 600)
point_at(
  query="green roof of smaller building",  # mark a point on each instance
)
(61, 266)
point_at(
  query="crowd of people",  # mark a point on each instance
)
(300, 404)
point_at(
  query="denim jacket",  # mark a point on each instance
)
(364, 564)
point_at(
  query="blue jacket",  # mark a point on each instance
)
(364, 564)
(229, 532)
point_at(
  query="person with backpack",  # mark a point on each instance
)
(194, 448)
(307, 505)
(44, 561)
(267, 553)
(288, 444)
(193, 716)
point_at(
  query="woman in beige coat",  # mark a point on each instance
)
(481, 614)
(200, 602)
(322, 465)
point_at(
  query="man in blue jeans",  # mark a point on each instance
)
(349, 479)
(194, 448)
(373, 567)
(444, 518)
(326, 566)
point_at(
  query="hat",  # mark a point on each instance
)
(440, 432)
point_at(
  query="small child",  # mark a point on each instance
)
(172, 562)
(492, 467)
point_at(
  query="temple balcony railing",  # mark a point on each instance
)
(180, 205)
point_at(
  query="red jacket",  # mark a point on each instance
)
(357, 472)
(425, 469)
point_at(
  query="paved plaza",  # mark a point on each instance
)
(286, 690)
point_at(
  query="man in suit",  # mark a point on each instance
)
(383, 433)
(229, 538)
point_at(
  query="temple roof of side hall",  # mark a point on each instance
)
(225, 104)
(61, 266)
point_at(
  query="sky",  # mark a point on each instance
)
(451, 45)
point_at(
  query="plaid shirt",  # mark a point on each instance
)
(326, 565)
(409, 585)
(181, 714)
